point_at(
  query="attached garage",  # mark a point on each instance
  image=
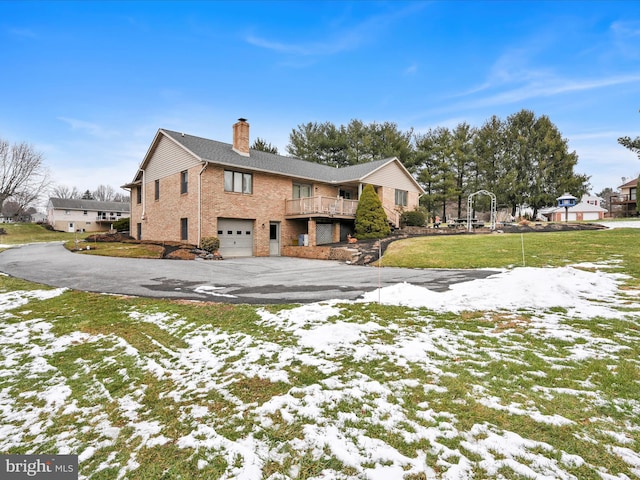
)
(236, 237)
(589, 216)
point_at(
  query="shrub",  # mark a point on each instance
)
(122, 225)
(412, 218)
(371, 221)
(210, 244)
(46, 226)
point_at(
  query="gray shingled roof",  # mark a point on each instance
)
(222, 153)
(93, 205)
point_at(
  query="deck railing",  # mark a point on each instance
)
(319, 205)
(623, 198)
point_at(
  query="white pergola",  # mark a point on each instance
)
(470, 209)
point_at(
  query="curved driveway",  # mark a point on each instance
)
(258, 280)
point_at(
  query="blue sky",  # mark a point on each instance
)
(89, 83)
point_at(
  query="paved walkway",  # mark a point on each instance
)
(256, 280)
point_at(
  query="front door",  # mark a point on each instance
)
(71, 228)
(274, 239)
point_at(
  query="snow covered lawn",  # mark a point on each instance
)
(531, 373)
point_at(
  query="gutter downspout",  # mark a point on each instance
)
(142, 193)
(204, 167)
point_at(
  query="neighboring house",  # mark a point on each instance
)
(77, 215)
(188, 187)
(592, 200)
(38, 217)
(625, 203)
(588, 209)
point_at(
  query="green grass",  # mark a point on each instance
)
(497, 250)
(20, 233)
(116, 249)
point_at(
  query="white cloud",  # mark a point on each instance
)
(411, 69)
(537, 86)
(22, 32)
(92, 129)
(625, 37)
(340, 39)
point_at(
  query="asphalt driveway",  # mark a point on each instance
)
(255, 280)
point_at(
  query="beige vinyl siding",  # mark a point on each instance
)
(167, 159)
(391, 175)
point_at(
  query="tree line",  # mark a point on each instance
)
(522, 159)
(103, 193)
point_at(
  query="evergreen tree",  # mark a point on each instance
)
(351, 144)
(631, 144)
(371, 221)
(434, 153)
(320, 143)
(463, 161)
(264, 146)
(492, 174)
(538, 163)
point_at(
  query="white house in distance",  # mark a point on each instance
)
(588, 209)
(79, 215)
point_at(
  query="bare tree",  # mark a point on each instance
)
(62, 191)
(104, 193)
(17, 211)
(121, 197)
(23, 176)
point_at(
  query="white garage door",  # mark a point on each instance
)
(590, 216)
(236, 237)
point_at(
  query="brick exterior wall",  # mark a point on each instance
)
(162, 217)
(266, 204)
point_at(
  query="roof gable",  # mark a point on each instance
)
(630, 183)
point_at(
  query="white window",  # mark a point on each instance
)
(238, 182)
(401, 198)
(301, 190)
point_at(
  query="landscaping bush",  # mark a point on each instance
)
(371, 221)
(412, 218)
(121, 225)
(210, 244)
(46, 226)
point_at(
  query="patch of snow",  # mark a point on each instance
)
(211, 290)
(522, 288)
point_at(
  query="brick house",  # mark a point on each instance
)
(189, 187)
(79, 215)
